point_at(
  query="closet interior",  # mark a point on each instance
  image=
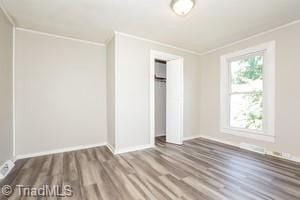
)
(160, 98)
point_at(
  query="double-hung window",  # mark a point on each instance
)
(247, 92)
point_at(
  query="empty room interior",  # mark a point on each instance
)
(140, 99)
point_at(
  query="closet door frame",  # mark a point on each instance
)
(165, 57)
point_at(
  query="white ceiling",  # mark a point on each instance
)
(212, 23)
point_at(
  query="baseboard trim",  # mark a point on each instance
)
(81, 147)
(218, 140)
(111, 148)
(63, 150)
(293, 158)
(191, 137)
(135, 148)
(159, 135)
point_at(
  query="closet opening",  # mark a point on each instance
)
(160, 100)
(166, 98)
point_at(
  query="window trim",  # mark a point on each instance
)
(268, 132)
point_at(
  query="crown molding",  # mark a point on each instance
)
(156, 42)
(10, 19)
(109, 38)
(60, 36)
(251, 37)
(7, 15)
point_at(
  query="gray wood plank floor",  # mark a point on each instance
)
(199, 169)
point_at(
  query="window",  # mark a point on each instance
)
(247, 92)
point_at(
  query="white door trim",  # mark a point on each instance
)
(166, 57)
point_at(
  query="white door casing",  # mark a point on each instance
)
(175, 110)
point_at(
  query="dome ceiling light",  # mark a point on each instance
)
(182, 7)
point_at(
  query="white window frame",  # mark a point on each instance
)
(268, 132)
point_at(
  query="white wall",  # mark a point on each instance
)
(111, 92)
(133, 91)
(287, 127)
(160, 100)
(6, 57)
(60, 93)
(61, 96)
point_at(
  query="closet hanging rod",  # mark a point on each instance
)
(160, 78)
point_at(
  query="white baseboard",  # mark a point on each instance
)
(191, 137)
(76, 148)
(292, 158)
(219, 140)
(56, 151)
(6, 168)
(111, 148)
(159, 135)
(130, 149)
(295, 159)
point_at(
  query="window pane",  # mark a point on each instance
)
(247, 74)
(246, 111)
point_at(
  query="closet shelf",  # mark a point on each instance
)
(160, 78)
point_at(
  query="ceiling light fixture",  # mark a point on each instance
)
(182, 7)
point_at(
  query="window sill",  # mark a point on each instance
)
(249, 134)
